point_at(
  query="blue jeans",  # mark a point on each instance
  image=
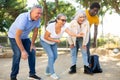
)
(74, 52)
(51, 50)
(17, 55)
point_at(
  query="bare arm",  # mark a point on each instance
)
(19, 43)
(47, 37)
(95, 35)
(35, 33)
(18, 39)
(73, 34)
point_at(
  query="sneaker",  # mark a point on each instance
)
(13, 78)
(47, 74)
(34, 77)
(54, 76)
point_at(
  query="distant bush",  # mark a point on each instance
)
(101, 42)
(63, 44)
(4, 40)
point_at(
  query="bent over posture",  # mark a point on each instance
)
(49, 40)
(77, 25)
(21, 45)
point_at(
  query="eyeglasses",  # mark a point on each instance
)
(63, 20)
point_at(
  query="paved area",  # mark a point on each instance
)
(110, 66)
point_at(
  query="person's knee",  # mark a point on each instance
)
(32, 52)
(17, 55)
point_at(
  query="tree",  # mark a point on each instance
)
(51, 9)
(108, 4)
(105, 6)
(9, 10)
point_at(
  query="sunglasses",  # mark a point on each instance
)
(63, 20)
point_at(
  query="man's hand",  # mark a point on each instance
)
(24, 55)
(32, 47)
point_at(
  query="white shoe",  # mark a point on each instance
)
(47, 74)
(54, 76)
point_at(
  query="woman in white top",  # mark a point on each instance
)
(50, 39)
(77, 25)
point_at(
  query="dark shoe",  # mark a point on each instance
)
(34, 77)
(13, 78)
(72, 69)
(98, 71)
(87, 70)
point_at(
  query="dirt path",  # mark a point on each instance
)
(110, 66)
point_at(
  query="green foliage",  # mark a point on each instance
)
(4, 41)
(37, 44)
(67, 9)
(62, 44)
(105, 5)
(54, 8)
(101, 42)
(86, 3)
(9, 10)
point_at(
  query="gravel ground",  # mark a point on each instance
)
(110, 66)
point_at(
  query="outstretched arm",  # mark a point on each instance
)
(73, 34)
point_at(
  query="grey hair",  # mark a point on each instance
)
(60, 15)
(79, 13)
(36, 6)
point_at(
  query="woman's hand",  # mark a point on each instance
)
(84, 47)
(80, 34)
(72, 46)
(57, 40)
